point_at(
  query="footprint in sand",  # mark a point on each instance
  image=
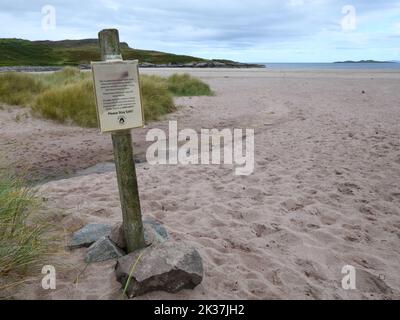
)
(366, 210)
(347, 188)
(368, 283)
(292, 205)
(312, 292)
(262, 230)
(352, 238)
(328, 220)
(396, 195)
(313, 226)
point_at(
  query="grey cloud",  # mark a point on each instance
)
(198, 24)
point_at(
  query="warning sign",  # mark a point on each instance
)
(117, 92)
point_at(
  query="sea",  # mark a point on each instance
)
(332, 66)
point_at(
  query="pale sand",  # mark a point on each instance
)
(324, 194)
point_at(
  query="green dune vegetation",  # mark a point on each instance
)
(24, 240)
(67, 96)
(19, 52)
(29, 239)
(63, 53)
(186, 85)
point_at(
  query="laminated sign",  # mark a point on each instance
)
(117, 91)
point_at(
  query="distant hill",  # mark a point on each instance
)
(364, 61)
(19, 52)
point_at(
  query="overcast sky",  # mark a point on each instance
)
(246, 30)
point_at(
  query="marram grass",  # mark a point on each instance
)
(19, 89)
(67, 95)
(71, 102)
(156, 98)
(22, 239)
(186, 85)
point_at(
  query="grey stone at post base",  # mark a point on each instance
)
(102, 250)
(89, 234)
(154, 232)
(169, 266)
(107, 242)
(117, 235)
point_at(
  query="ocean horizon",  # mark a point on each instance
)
(331, 66)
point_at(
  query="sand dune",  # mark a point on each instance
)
(324, 194)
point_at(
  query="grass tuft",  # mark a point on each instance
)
(18, 88)
(68, 75)
(70, 103)
(186, 85)
(156, 98)
(22, 241)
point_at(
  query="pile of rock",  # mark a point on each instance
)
(163, 265)
(202, 64)
(29, 69)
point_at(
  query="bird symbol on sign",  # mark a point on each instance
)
(121, 120)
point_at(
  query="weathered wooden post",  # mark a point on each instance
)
(123, 156)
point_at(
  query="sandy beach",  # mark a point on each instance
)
(325, 190)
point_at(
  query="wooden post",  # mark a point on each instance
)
(124, 162)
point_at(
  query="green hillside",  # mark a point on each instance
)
(18, 52)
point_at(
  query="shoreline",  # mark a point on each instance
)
(268, 68)
(204, 65)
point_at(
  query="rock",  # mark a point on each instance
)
(218, 64)
(175, 65)
(102, 250)
(154, 232)
(72, 223)
(205, 64)
(30, 68)
(201, 65)
(89, 234)
(117, 235)
(147, 65)
(169, 266)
